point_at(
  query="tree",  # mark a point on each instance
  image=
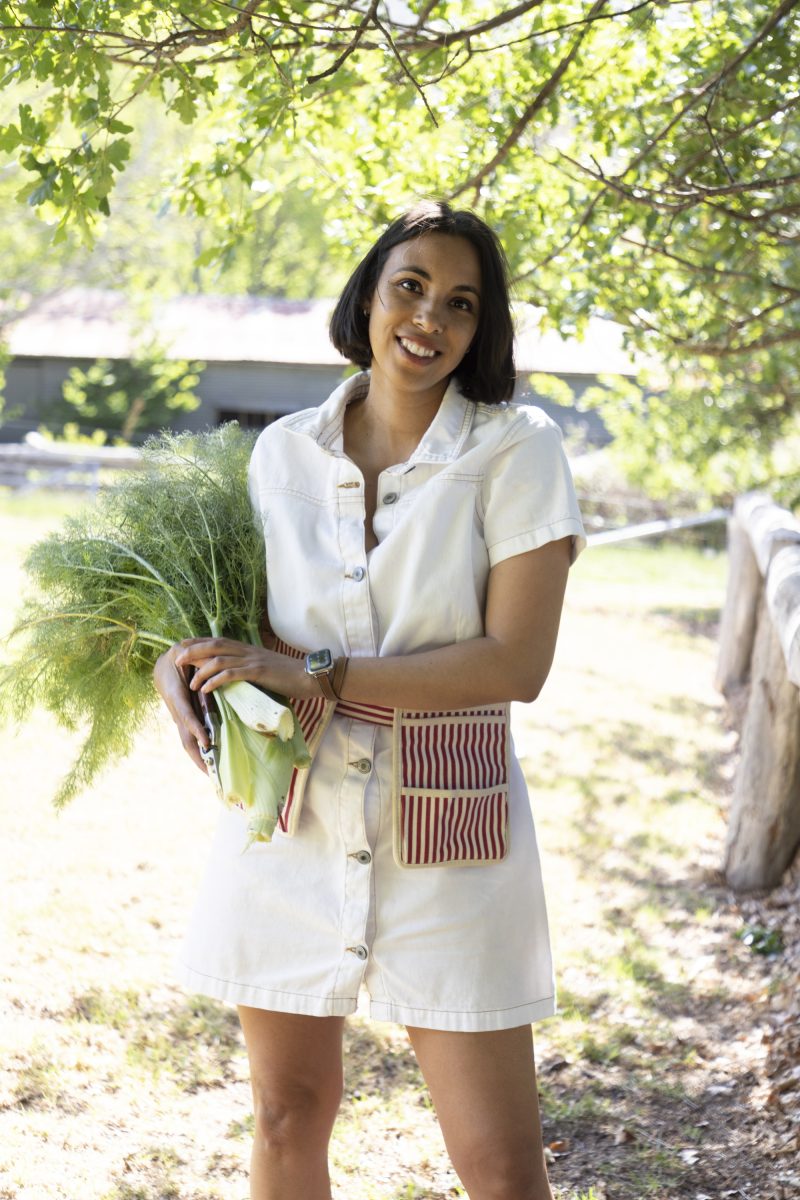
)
(129, 396)
(638, 157)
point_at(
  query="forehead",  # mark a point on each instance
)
(440, 255)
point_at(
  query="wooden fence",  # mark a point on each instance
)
(41, 463)
(760, 644)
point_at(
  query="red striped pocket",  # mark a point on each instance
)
(451, 787)
(311, 714)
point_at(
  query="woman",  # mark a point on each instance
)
(419, 533)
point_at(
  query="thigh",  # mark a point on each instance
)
(290, 1052)
(483, 1086)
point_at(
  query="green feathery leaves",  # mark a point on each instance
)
(168, 553)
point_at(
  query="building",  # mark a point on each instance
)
(262, 357)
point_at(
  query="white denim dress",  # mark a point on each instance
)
(406, 866)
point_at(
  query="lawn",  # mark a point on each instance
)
(114, 1085)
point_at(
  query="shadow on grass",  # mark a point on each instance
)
(376, 1065)
(191, 1043)
(696, 621)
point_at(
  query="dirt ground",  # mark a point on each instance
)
(672, 1071)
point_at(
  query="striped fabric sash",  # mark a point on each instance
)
(373, 714)
(450, 777)
(310, 713)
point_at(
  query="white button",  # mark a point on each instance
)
(391, 498)
(359, 951)
(358, 574)
(363, 857)
(364, 766)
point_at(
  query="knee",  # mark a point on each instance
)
(290, 1115)
(504, 1173)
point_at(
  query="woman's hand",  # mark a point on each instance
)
(171, 681)
(217, 661)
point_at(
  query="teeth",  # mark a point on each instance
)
(415, 348)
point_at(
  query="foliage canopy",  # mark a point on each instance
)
(639, 159)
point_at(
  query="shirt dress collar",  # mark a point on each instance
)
(442, 441)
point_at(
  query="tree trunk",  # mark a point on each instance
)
(764, 824)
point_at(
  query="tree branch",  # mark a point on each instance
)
(721, 349)
(524, 120)
(436, 38)
(697, 94)
(369, 16)
(712, 268)
(406, 70)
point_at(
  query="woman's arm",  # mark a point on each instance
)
(510, 662)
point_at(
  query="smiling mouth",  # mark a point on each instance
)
(416, 350)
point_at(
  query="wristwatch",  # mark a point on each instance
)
(328, 673)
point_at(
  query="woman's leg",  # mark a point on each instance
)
(296, 1073)
(483, 1087)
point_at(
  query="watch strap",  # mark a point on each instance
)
(330, 681)
(339, 672)
(323, 679)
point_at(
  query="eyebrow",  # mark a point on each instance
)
(459, 287)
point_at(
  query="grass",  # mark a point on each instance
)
(116, 1086)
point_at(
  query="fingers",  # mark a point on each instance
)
(194, 728)
(170, 679)
(217, 661)
(190, 745)
(214, 672)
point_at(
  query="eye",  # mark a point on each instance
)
(464, 304)
(409, 285)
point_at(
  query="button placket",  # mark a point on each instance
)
(358, 875)
(356, 599)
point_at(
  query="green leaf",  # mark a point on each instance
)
(185, 106)
(118, 152)
(10, 137)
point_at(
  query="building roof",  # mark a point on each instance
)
(89, 323)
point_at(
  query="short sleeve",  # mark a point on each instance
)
(528, 494)
(258, 468)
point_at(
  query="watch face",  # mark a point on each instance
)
(320, 660)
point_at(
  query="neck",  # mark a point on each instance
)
(399, 419)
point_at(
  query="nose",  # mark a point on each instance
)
(428, 316)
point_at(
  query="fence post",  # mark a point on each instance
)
(738, 622)
(764, 823)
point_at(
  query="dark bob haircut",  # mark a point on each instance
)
(486, 372)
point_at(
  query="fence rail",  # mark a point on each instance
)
(652, 528)
(40, 463)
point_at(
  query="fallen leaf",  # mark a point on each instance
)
(559, 1146)
(689, 1157)
(624, 1135)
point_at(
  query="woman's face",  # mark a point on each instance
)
(424, 311)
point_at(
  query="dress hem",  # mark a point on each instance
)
(454, 1021)
(491, 1020)
(253, 996)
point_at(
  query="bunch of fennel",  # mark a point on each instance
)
(171, 552)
